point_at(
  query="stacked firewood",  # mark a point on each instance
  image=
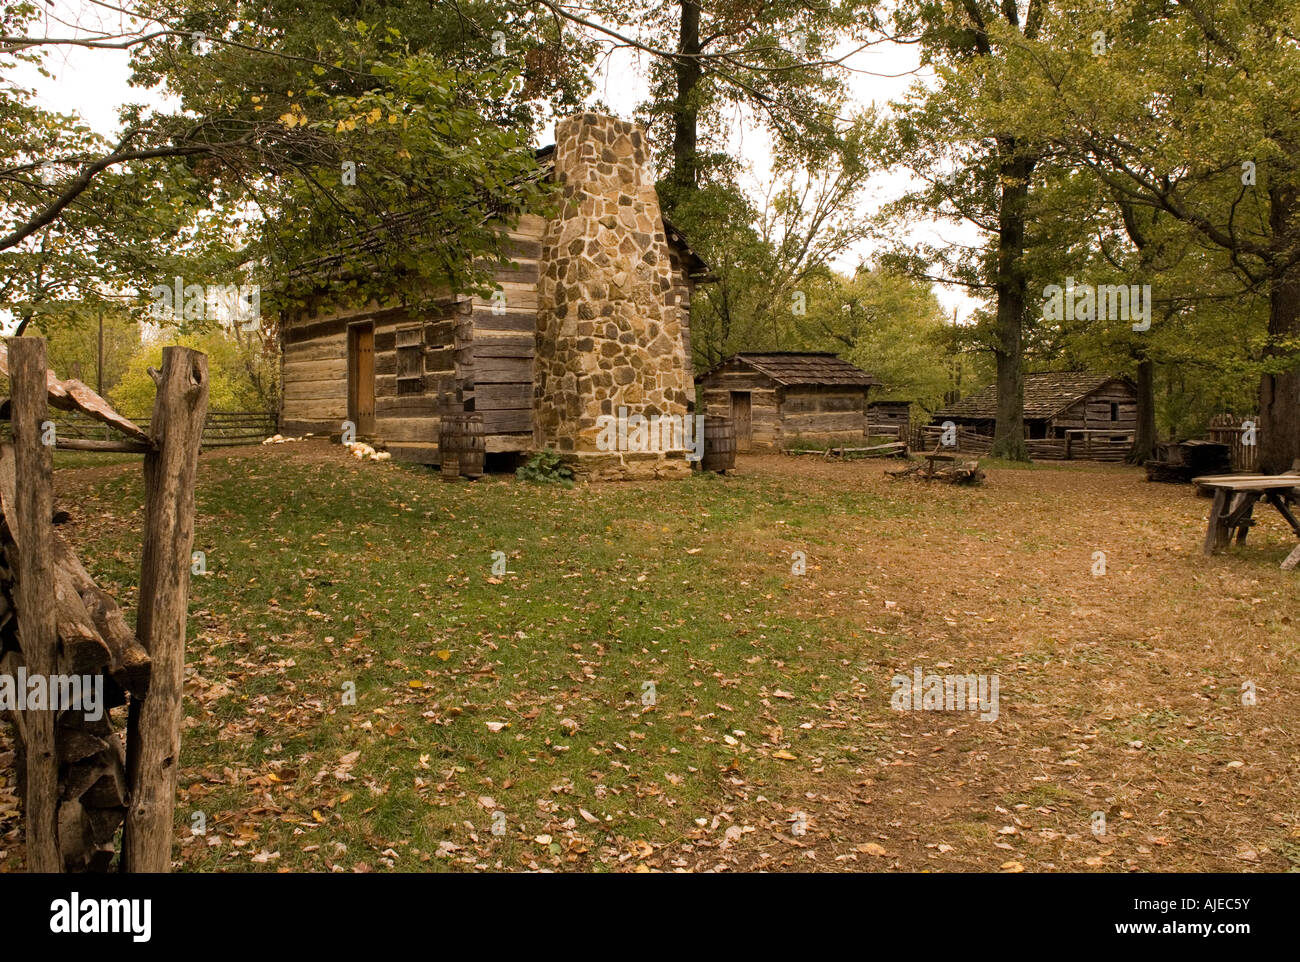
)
(94, 642)
(957, 471)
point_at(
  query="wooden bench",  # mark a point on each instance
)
(1235, 496)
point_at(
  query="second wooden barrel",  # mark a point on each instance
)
(719, 445)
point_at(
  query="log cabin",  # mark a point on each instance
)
(1067, 414)
(886, 418)
(592, 315)
(781, 399)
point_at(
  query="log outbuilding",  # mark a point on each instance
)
(592, 317)
(1067, 414)
(783, 399)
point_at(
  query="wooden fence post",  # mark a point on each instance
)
(154, 724)
(34, 504)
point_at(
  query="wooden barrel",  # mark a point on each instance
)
(719, 445)
(462, 446)
(473, 446)
(449, 430)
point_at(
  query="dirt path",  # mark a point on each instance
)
(1119, 693)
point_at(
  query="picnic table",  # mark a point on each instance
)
(1235, 496)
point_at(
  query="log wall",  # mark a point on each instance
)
(504, 345)
(1093, 412)
(765, 401)
(468, 354)
(824, 415)
(889, 417)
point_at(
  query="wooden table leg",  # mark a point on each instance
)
(1279, 502)
(1243, 528)
(1292, 559)
(1239, 516)
(1216, 533)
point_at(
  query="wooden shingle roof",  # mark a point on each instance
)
(792, 368)
(1046, 395)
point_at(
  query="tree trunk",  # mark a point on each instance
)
(1144, 441)
(1279, 392)
(686, 110)
(1012, 295)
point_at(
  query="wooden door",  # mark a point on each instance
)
(741, 407)
(361, 372)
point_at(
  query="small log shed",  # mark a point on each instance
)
(784, 398)
(1099, 410)
(889, 417)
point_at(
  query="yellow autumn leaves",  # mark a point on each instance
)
(372, 117)
(295, 116)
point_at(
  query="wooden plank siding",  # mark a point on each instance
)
(765, 418)
(824, 415)
(464, 354)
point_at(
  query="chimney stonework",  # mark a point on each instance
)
(609, 323)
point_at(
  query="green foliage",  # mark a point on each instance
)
(767, 255)
(779, 62)
(545, 467)
(251, 178)
(891, 326)
(106, 238)
(238, 373)
(71, 332)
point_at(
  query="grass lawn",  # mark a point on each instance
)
(649, 686)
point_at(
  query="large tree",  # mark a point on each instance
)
(975, 168)
(1188, 109)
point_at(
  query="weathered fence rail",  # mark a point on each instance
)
(72, 641)
(967, 439)
(1242, 438)
(220, 429)
(1078, 444)
(1098, 445)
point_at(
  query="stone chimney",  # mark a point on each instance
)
(609, 328)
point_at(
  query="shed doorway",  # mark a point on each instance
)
(361, 378)
(741, 408)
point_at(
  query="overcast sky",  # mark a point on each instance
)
(93, 84)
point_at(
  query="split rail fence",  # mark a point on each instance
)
(59, 629)
(220, 428)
